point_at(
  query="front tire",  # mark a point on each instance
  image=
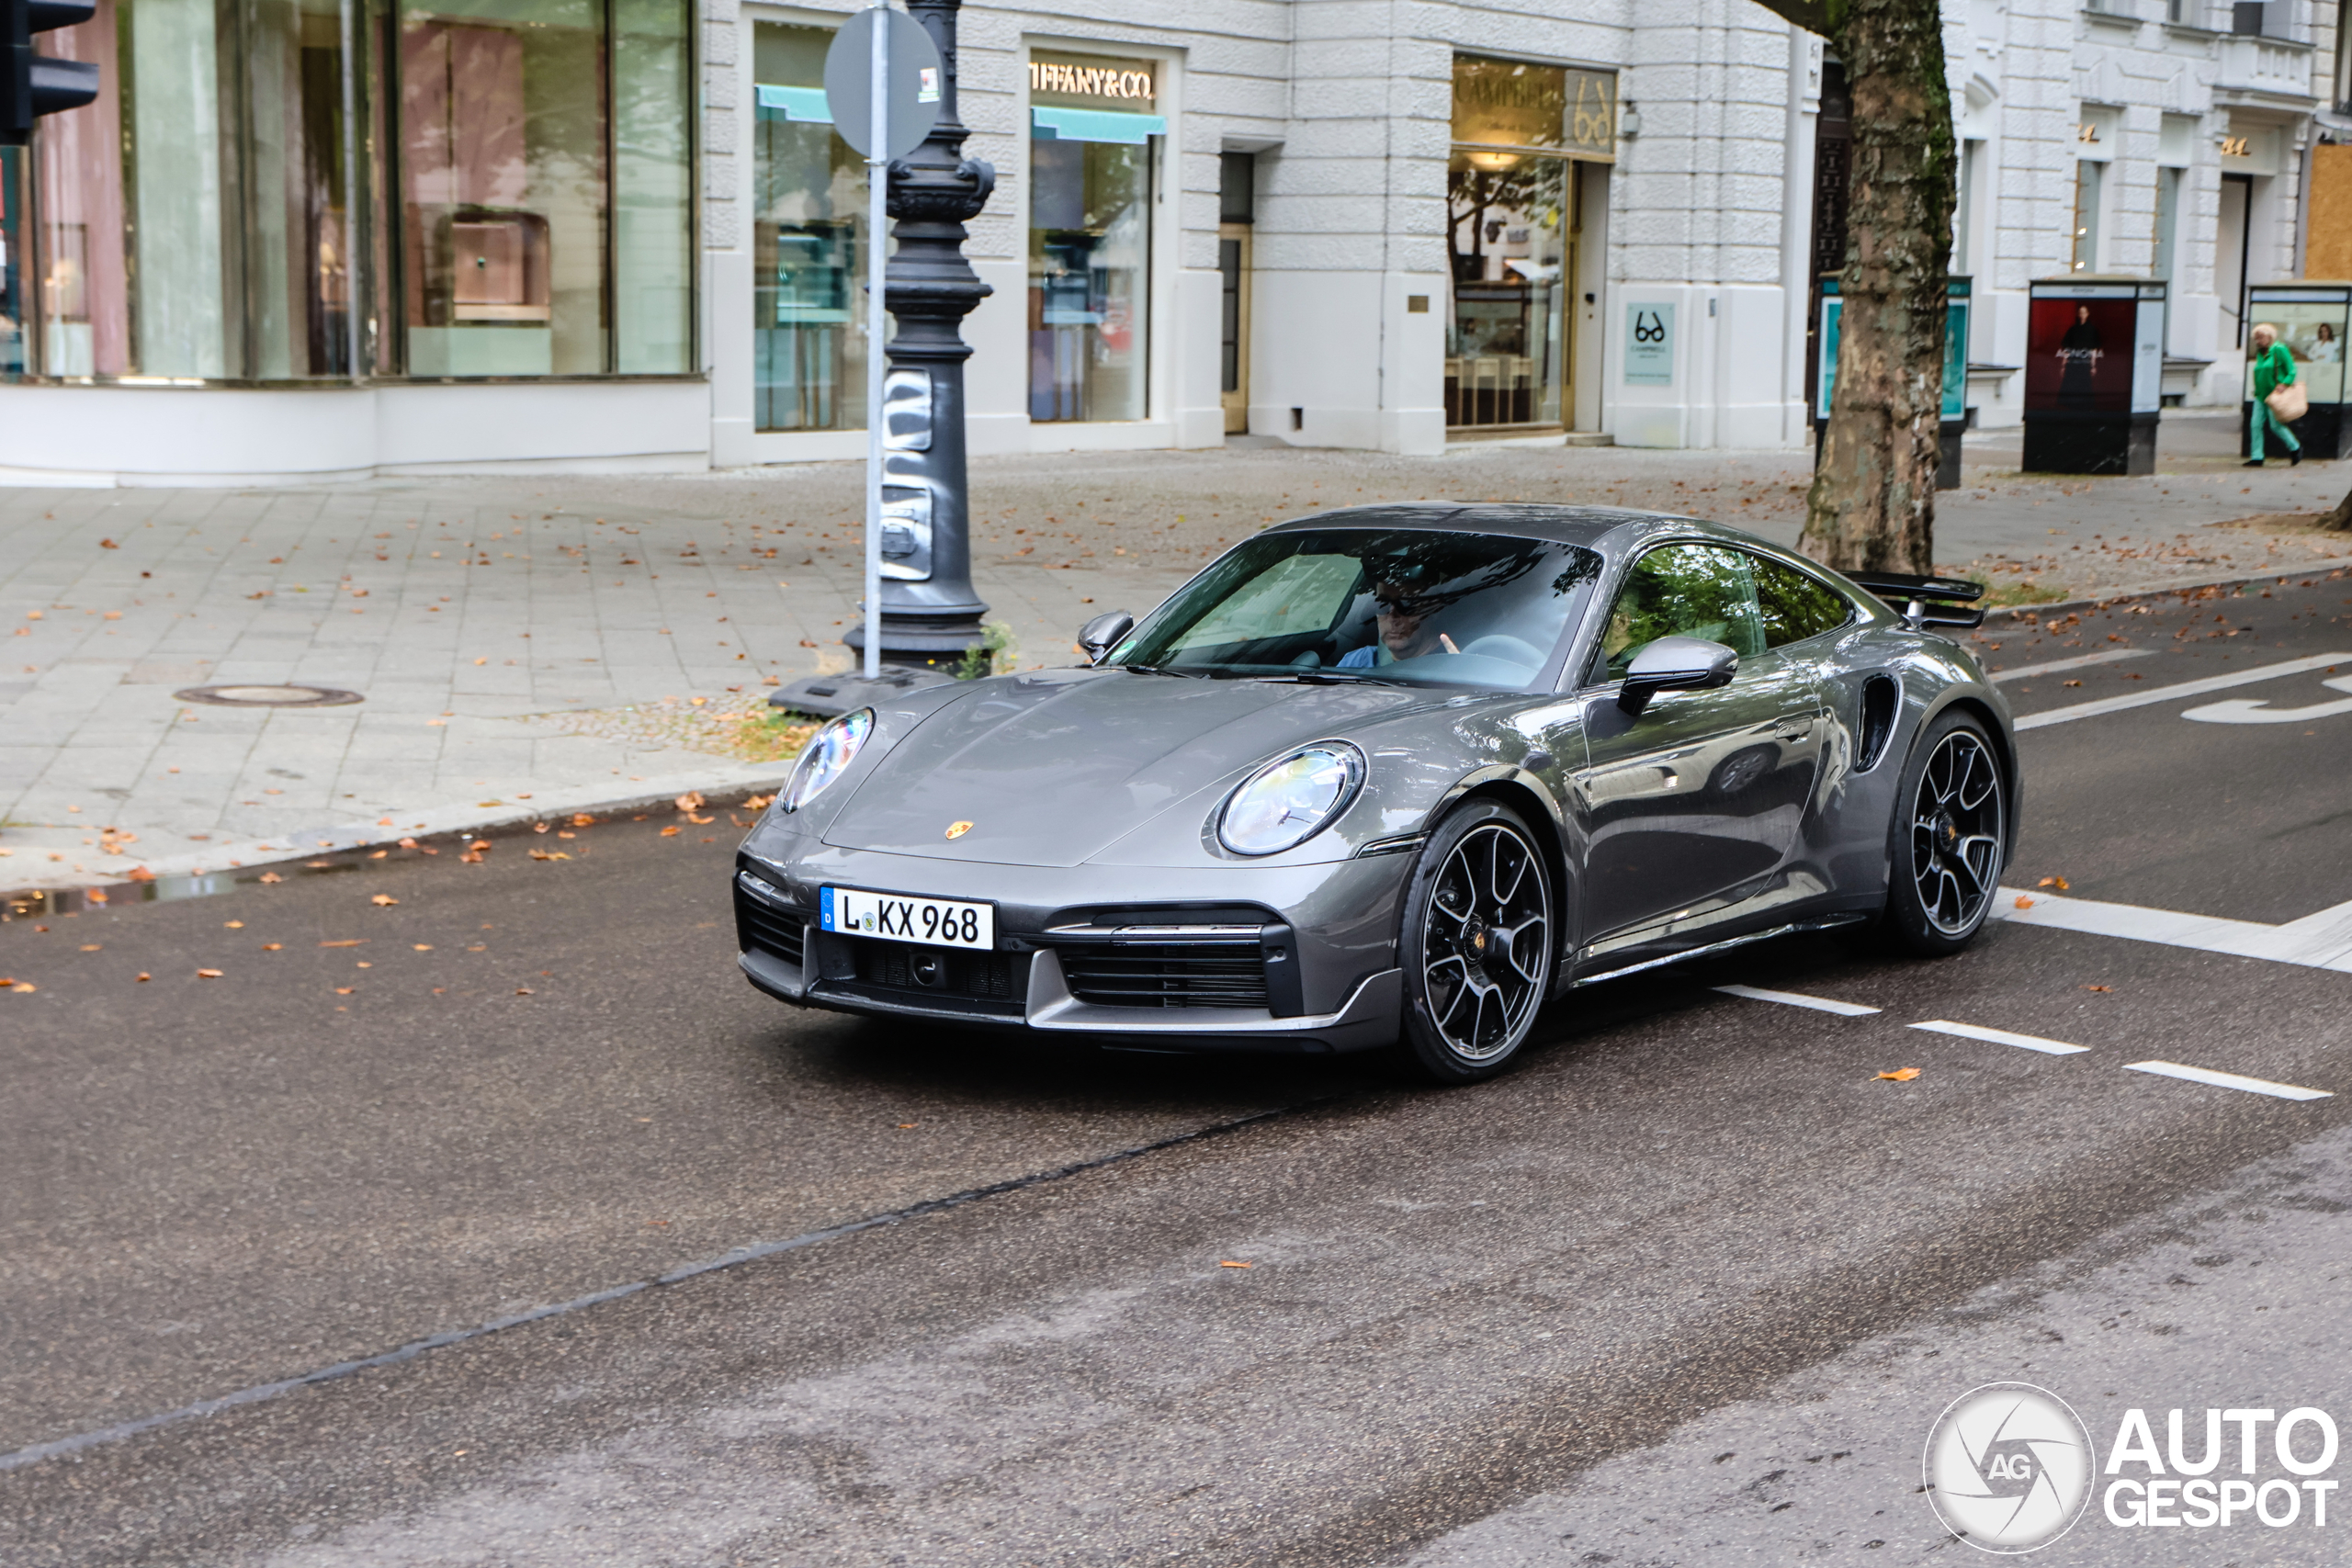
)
(1946, 843)
(1478, 945)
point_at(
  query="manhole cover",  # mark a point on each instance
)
(268, 696)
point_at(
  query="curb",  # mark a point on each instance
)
(2133, 595)
(254, 854)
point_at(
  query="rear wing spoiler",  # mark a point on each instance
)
(1921, 600)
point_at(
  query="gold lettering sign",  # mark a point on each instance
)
(1101, 82)
(1509, 103)
(2086, 131)
(2234, 147)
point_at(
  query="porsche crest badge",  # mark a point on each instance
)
(957, 829)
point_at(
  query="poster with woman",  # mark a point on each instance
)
(2079, 354)
(2311, 322)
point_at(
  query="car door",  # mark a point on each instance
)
(1696, 802)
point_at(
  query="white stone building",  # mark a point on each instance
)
(303, 239)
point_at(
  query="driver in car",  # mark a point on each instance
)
(1405, 632)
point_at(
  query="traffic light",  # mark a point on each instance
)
(34, 85)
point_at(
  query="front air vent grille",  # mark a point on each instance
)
(1165, 975)
(936, 971)
(765, 923)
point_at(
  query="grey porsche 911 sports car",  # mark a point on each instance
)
(1396, 774)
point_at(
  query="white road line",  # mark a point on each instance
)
(2003, 1037)
(2316, 941)
(1790, 999)
(2258, 710)
(2228, 1080)
(2025, 671)
(2182, 689)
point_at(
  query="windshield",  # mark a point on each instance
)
(1405, 606)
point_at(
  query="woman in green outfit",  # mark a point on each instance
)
(2273, 367)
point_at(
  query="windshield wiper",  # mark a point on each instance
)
(1329, 678)
(1155, 670)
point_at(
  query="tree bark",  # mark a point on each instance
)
(2340, 520)
(1873, 501)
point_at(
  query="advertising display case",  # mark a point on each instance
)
(2311, 317)
(2094, 371)
(1953, 423)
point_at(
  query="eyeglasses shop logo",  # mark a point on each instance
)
(2010, 1467)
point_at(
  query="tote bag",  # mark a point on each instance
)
(2289, 402)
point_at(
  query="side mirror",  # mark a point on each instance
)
(1099, 636)
(1675, 664)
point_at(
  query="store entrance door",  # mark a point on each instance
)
(1233, 384)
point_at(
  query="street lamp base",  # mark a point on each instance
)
(921, 643)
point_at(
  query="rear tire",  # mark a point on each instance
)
(1478, 945)
(1946, 846)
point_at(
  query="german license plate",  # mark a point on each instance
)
(939, 922)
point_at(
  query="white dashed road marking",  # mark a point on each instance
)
(2228, 1080)
(2003, 1037)
(2318, 941)
(1790, 999)
(2026, 671)
(2183, 689)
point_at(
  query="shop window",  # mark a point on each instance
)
(1513, 194)
(516, 199)
(12, 257)
(808, 239)
(1092, 131)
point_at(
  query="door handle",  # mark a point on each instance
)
(1793, 726)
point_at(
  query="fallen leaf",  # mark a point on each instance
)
(207, 973)
(666, 832)
(346, 941)
(408, 843)
(699, 821)
(271, 876)
(757, 801)
(522, 991)
(2098, 987)
(23, 987)
(2024, 902)
(345, 990)
(232, 925)
(581, 819)
(144, 975)
(383, 900)
(92, 946)
(273, 947)
(690, 801)
(2057, 882)
(140, 873)
(380, 854)
(1901, 1074)
(423, 946)
(538, 827)
(1228, 1263)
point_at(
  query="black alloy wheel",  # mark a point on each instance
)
(1949, 832)
(1478, 943)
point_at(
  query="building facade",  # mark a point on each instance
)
(322, 239)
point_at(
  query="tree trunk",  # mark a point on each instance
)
(2339, 520)
(1873, 498)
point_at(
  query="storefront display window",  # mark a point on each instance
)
(1521, 134)
(808, 238)
(521, 187)
(1091, 150)
(12, 256)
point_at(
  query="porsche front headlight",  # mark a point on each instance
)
(1291, 799)
(827, 756)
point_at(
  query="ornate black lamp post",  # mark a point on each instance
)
(929, 614)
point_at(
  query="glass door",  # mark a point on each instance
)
(1506, 355)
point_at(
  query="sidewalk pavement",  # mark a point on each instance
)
(542, 645)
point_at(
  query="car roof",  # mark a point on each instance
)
(1607, 529)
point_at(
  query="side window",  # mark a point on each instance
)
(1794, 606)
(1702, 591)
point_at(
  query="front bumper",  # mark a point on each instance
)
(1295, 958)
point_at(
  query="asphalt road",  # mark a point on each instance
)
(1509, 1324)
